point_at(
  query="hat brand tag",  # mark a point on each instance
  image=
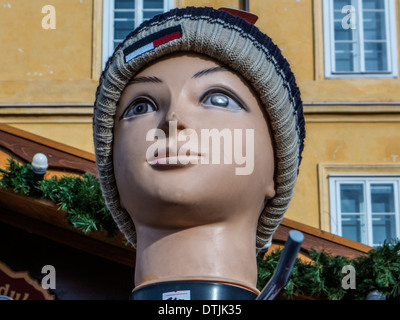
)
(151, 42)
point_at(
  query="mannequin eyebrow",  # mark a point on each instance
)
(153, 79)
(208, 71)
(145, 79)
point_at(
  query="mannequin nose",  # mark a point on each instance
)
(172, 118)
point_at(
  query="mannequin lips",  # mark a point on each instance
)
(171, 157)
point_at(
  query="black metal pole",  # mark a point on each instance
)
(245, 5)
(284, 268)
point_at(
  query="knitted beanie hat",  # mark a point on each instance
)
(233, 42)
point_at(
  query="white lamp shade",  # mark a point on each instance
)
(39, 163)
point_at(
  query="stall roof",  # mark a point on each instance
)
(42, 217)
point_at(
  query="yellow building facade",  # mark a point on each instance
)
(52, 53)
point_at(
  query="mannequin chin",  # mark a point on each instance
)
(195, 219)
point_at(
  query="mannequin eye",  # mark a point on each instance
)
(138, 107)
(221, 98)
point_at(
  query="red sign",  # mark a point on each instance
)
(20, 286)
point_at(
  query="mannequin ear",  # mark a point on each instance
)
(121, 203)
(269, 191)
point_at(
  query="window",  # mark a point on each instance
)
(120, 17)
(360, 38)
(365, 209)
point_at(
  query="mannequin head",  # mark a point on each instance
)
(177, 92)
(198, 131)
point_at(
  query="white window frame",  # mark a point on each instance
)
(390, 18)
(334, 199)
(108, 23)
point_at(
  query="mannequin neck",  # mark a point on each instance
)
(223, 252)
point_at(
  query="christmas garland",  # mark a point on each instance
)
(79, 197)
(321, 278)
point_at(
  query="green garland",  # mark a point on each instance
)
(79, 197)
(82, 200)
(321, 278)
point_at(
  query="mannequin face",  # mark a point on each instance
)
(165, 175)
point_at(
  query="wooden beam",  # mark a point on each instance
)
(59, 160)
(43, 218)
(317, 239)
(47, 142)
(67, 237)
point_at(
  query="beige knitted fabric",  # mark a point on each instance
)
(234, 43)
